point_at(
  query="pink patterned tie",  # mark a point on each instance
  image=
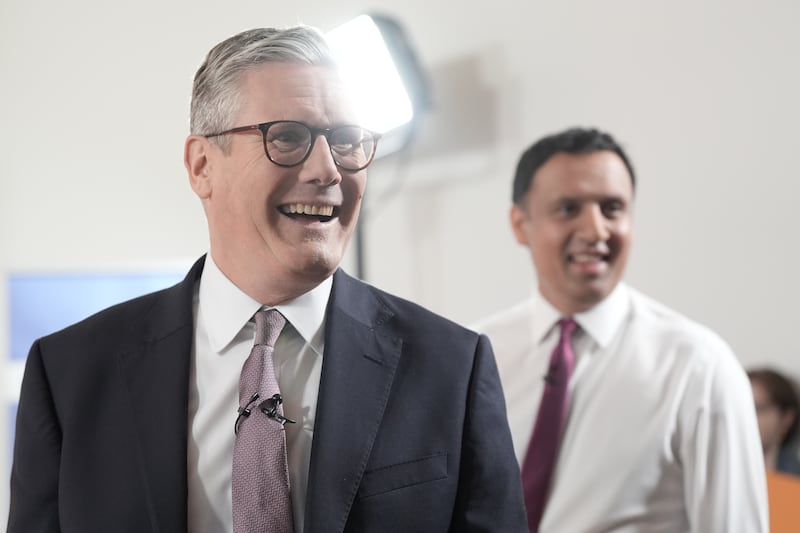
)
(260, 480)
(540, 460)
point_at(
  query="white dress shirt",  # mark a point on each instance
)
(662, 433)
(223, 338)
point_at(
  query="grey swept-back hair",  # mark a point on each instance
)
(217, 83)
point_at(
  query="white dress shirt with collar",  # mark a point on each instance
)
(662, 434)
(223, 338)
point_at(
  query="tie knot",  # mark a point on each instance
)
(269, 324)
(568, 327)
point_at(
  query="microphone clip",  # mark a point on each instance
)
(270, 408)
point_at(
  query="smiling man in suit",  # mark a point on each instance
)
(368, 413)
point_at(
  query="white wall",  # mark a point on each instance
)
(704, 97)
(94, 105)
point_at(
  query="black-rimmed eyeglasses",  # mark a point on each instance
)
(288, 143)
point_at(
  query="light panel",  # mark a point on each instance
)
(367, 67)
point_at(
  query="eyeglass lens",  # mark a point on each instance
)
(288, 143)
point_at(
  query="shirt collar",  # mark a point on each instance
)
(227, 309)
(546, 317)
(601, 322)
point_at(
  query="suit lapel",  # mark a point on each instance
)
(155, 370)
(358, 367)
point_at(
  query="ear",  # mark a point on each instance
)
(196, 161)
(787, 419)
(519, 219)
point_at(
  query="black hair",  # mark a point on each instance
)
(782, 392)
(571, 141)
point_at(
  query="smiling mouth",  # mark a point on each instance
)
(322, 213)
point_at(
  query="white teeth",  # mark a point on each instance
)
(586, 258)
(305, 209)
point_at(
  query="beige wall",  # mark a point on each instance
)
(94, 99)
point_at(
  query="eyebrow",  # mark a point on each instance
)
(590, 198)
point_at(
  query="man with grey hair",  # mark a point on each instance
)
(269, 390)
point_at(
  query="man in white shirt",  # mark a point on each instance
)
(131, 420)
(660, 432)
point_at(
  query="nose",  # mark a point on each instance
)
(593, 225)
(319, 167)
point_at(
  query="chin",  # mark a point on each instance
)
(319, 266)
(588, 297)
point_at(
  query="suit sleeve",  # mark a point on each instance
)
(37, 449)
(490, 491)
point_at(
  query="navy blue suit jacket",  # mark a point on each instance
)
(410, 435)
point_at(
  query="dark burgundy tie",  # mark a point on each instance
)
(540, 459)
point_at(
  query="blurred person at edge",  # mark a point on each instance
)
(660, 431)
(126, 419)
(778, 411)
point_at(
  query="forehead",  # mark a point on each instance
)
(294, 91)
(596, 174)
